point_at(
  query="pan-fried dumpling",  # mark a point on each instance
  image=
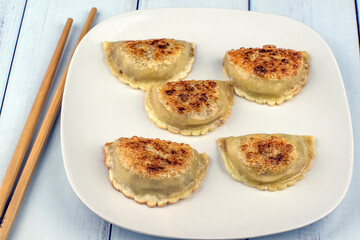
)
(144, 62)
(190, 107)
(153, 171)
(267, 75)
(268, 161)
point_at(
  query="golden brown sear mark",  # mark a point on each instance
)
(269, 62)
(154, 157)
(188, 96)
(157, 49)
(271, 154)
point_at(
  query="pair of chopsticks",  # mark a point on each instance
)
(26, 135)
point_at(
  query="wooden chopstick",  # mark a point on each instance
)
(40, 141)
(24, 140)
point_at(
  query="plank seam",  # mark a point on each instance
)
(357, 20)
(12, 58)
(110, 230)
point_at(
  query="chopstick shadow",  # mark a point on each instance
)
(14, 187)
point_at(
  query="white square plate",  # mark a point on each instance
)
(98, 108)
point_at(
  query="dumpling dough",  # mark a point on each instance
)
(152, 171)
(267, 75)
(144, 62)
(268, 161)
(190, 107)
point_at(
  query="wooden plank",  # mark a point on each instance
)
(335, 21)
(232, 4)
(339, 31)
(50, 210)
(357, 5)
(11, 13)
(120, 233)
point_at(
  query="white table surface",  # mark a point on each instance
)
(29, 31)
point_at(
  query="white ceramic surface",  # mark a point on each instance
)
(98, 108)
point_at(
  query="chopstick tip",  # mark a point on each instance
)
(69, 20)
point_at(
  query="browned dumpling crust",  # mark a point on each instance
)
(153, 171)
(190, 107)
(267, 75)
(268, 161)
(145, 62)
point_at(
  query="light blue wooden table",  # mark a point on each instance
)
(29, 31)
